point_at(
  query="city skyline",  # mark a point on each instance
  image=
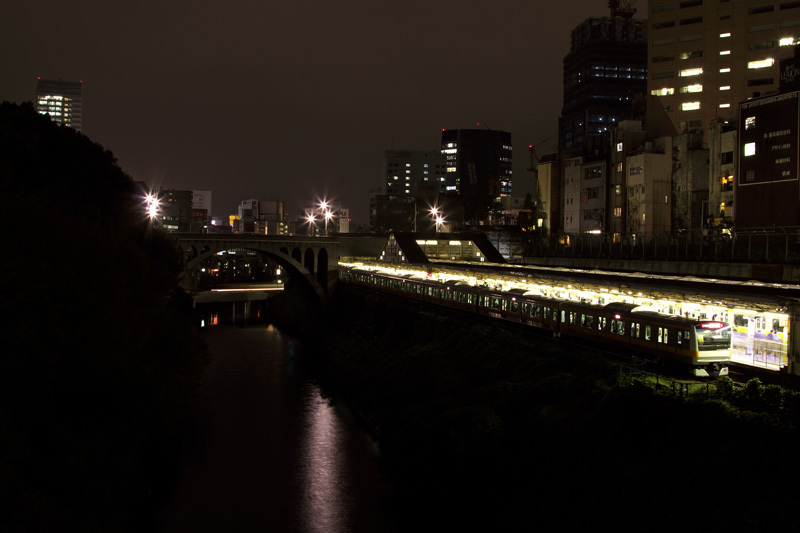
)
(295, 102)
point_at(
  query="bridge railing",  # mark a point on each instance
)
(763, 245)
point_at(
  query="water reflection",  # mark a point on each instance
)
(271, 452)
(322, 469)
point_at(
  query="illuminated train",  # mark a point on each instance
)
(702, 346)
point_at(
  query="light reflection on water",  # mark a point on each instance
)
(322, 469)
(272, 453)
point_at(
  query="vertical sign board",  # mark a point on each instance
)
(767, 187)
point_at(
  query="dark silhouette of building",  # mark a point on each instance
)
(478, 162)
(604, 70)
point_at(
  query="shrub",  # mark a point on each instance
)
(753, 393)
(773, 397)
(724, 387)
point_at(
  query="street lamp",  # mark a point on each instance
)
(437, 218)
(328, 216)
(151, 203)
(311, 220)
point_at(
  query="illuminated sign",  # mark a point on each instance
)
(768, 133)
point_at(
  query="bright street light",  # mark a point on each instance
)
(311, 220)
(151, 202)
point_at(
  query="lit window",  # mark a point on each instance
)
(763, 63)
(724, 106)
(724, 52)
(619, 147)
(665, 91)
(749, 149)
(786, 41)
(690, 72)
(724, 70)
(690, 106)
(724, 35)
(749, 123)
(697, 88)
(725, 88)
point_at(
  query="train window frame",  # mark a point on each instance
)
(648, 330)
(601, 323)
(618, 327)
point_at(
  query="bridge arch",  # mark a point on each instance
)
(308, 260)
(322, 268)
(309, 269)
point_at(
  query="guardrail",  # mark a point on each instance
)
(762, 245)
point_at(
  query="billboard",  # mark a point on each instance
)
(768, 129)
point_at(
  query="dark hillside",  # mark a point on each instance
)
(99, 354)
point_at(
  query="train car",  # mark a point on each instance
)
(702, 346)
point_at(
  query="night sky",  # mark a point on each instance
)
(293, 100)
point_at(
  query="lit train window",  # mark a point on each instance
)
(647, 334)
(601, 323)
(635, 326)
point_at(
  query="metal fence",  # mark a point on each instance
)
(664, 385)
(758, 245)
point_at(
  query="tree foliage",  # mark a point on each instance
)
(99, 356)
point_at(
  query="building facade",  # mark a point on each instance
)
(405, 170)
(706, 56)
(649, 189)
(478, 162)
(604, 71)
(549, 184)
(767, 188)
(62, 101)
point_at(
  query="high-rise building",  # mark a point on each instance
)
(405, 170)
(705, 57)
(604, 71)
(478, 162)
(61, 100)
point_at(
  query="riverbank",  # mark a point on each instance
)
(489, 426)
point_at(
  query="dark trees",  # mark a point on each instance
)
(98, 359)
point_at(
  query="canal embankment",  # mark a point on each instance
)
(493, 426)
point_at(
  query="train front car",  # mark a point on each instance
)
(713, 345)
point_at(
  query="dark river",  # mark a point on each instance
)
(272, 452)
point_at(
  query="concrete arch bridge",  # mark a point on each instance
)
(311, 261)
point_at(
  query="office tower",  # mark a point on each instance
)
(478, 162)
(604, 71)
(704, 57)
(405, 170)
(61, 100)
